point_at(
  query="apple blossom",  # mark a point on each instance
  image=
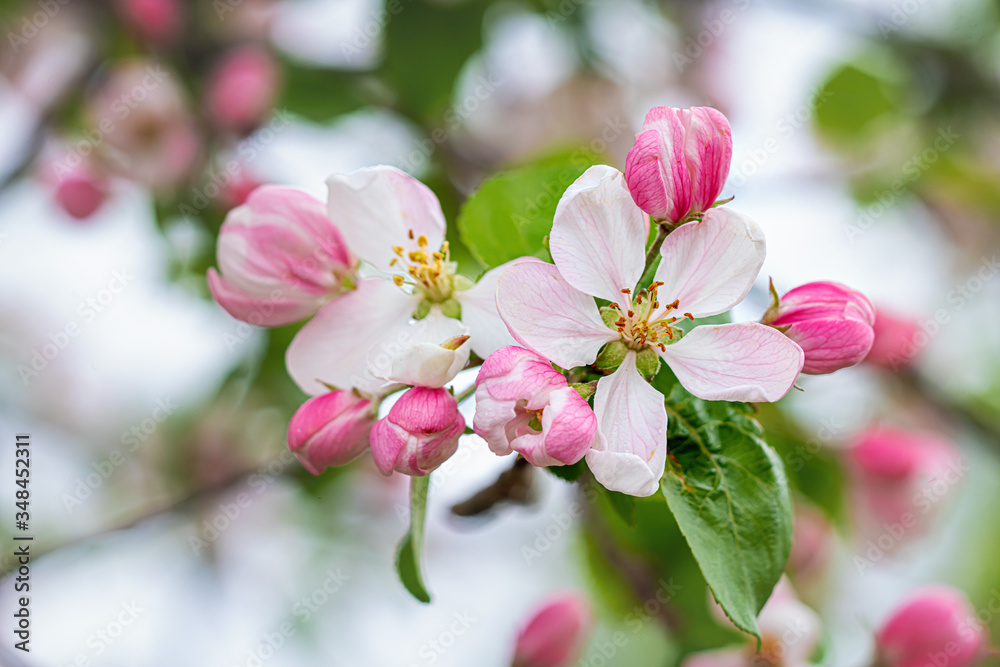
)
(526, 406)
(832, 323)
(900, 477)
(420, 432)
(555, 634)
(789, 632)
(934, 626)
(79, 186)
(392, 324)
(331, 429)
(679, 163)
(597, 241)
(154, 20)
(148, 132)
(894, 346)
(242, 88)
(280, 257)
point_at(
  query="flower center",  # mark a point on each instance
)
(430, 273)
(645, 324)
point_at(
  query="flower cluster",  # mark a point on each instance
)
(568, 348)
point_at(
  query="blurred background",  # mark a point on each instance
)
(172, 526)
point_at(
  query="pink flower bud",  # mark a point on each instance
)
(934, 626)
(153, 20)
(281, 258)
(555, 634)
(78, 187)
(526, 406)
(830, 322)
(679, 163)
(893, 470)
(330, 430)
(420, 432)
(242, 88)
(894, 345)
(812, 542)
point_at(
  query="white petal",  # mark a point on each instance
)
(735, 362)
(599, 235)
(334, 346)
(631, 448)
(479, 313)
(546, 314)
(419, 359)
(376, 208)
(710, 266)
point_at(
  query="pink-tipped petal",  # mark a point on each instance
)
(365, 326)
(377, 208)
(645, 178)
(631, 449)
(599, 235)
(568, 428)
(710, 266)
(280, 258)
(420, 432)
(330, 430)
(709, 151)
(548, 315)
(735, 362)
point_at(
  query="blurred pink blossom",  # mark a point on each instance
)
(900, 480)
(241, 89)
(893, 347)
(934, 626)
(555, 634)
(158, 21)
(142, 127)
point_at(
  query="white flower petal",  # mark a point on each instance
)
(735, 362)
(630, 451)
(599, 235)
(334, 347)
(548, 315)
(419, 359)
(710, 266)
(479, 313)
(378, 207)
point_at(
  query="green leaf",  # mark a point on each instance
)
(511, 213)
(570, 473)
(319, 94)
(728, 491)
(408, 556)
(850, 101)
(623, 505)
(426, 46)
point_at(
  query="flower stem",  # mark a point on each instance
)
(461, 396)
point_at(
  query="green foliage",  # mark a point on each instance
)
(569, 473)
(727, 489)
(423, 37)
(850, 101)
(408, 556)
(320, 94)
(511, 213)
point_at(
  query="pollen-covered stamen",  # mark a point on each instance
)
(427, 271)
(645, 322)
